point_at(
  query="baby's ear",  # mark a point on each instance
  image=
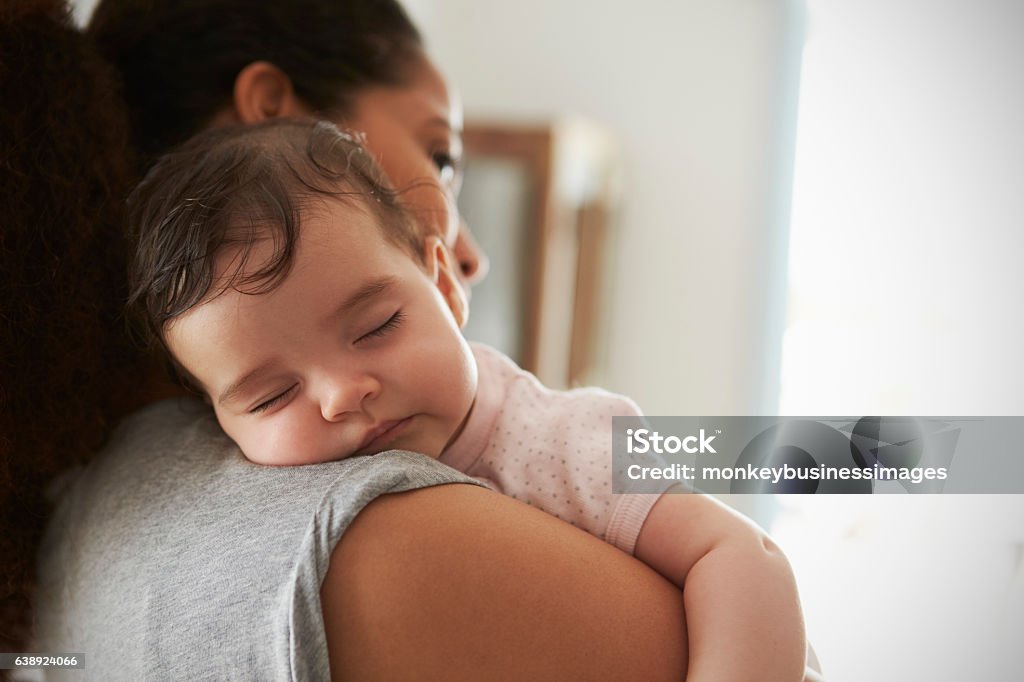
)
(263, 91)
(439, 265)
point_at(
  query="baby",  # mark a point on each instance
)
(293, 291)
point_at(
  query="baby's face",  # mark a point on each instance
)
(357, 351)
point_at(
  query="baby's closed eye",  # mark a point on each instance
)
(389, 325)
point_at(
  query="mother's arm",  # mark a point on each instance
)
(459, 583)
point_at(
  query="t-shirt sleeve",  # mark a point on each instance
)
(172, 557)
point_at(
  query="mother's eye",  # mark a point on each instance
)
(448, 167)
(389, 325)
(443, 161)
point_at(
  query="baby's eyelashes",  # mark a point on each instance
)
(388, 326)
(274, 401)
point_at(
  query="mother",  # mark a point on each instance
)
(170, 556)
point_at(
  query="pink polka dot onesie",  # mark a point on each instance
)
(549, 449)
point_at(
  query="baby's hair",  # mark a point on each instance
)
(235, 187)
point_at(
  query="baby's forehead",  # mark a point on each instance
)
(340, 224)
(252, 239)
(329, 264)
(337, 221)
(340, 220)
(258, 254)
(346, 206)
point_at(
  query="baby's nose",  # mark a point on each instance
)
(348, 395)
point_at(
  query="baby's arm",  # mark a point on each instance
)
(742, 608)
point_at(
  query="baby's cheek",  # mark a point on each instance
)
(259, 444)
(255, 448)
(280, 443)
(461, 380)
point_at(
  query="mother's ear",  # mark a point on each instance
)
(263, 91)
(439, 265)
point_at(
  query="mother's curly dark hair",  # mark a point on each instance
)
(68, 369)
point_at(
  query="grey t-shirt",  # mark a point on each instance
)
(172, 557)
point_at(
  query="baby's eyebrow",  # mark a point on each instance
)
(237, 386)
(365, 293)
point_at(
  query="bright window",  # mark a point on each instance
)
(907, 297)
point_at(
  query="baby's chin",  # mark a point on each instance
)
(411, 434)
(277, 460)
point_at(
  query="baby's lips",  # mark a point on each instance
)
(380, 431)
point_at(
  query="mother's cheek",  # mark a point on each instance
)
(434, 210)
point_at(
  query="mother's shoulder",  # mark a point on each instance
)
(168, 414)
(176, 427)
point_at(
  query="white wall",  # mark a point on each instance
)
(908, 211)
(694, 91)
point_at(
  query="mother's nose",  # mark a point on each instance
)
(473, 262)
(347, 394)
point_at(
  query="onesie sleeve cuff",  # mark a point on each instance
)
(627, 520)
